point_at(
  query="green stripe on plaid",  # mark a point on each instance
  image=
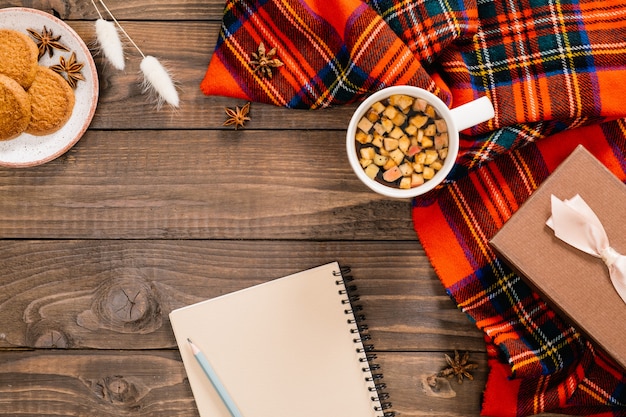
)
(427, 27)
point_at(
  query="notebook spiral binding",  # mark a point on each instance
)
(361, 336)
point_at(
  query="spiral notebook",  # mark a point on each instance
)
(293, 346)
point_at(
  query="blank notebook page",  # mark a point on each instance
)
(282, 349)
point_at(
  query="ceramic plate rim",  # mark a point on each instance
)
(56, 144)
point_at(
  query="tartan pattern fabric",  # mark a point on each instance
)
(553, 70)
(328, 61)
(427, 27)
(545, 65)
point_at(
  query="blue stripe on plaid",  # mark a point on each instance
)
(341, 73)
(555, 43)
(414, 20)
(235, 17)
(618, 147)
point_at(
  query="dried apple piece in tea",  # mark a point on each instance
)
(402, 141)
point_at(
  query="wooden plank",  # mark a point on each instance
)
(114, 294)
(167, 184)
(154, 384)
(125, 10)
(97, 384)
(110, 384)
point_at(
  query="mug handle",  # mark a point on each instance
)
(472, 113)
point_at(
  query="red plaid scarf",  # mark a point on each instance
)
(553, 70)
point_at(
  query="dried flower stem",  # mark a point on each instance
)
(157, 78)
(117, 24)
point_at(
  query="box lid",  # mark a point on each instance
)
(571, 281)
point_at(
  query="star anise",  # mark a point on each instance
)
(458, 367)
(264, 62)
(238, 116)
(47, 42)
(71, 68)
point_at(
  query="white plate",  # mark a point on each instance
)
(29, 150)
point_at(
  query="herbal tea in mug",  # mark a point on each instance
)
(402, 141)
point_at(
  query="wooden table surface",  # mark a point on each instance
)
(153, 210)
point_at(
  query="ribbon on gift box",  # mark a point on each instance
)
(575, 223)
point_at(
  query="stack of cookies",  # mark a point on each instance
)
(33, 98)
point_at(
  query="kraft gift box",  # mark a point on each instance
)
(574, 283)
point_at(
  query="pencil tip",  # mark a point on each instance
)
(193, 347)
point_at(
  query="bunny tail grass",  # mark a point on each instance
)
(158, 80)
(110, 44)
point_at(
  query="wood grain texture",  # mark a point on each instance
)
(127, 10)
(117, 294)
(200, 185)
(108, 384)
(53, 383)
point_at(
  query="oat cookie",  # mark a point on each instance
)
(52, 101)
(18, 56)
(14, 108)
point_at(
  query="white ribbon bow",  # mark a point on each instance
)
(575, 223)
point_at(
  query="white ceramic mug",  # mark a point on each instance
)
(457, 119)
